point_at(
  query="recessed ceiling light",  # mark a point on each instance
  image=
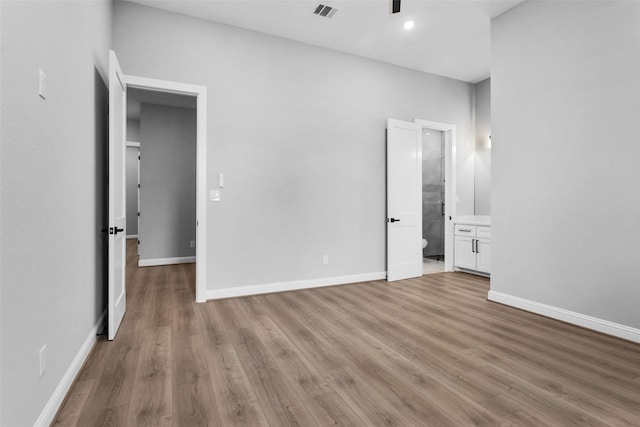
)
(408, 25)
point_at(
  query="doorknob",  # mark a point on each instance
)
(392, 220)
(115, 230)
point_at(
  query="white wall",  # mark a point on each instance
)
(566, 181)
(167, 182)
(52, 184)
(482, 163)
(298, 132)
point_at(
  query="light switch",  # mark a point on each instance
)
(221, 180)
(42, 84)
(214, 195)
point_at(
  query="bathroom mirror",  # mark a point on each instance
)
(482, 159)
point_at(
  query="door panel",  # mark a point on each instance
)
(404, 204)
(465, 252)
(483, 256)
(117, 217)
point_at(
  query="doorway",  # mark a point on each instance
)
(433, 206)
(438, 194)
(178, 221)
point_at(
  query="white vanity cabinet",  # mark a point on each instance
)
(473, 247)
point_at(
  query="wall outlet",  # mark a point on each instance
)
(325, 259)
(192, 243)
(42, 361)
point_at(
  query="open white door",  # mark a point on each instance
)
(404, 202)
(117, 249)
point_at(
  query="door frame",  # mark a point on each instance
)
(200, 92)
(449, 185)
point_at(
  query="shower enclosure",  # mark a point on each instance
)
(433, 193)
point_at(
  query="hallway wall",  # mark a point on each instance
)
(52, 194)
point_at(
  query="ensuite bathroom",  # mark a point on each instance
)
(433, 192)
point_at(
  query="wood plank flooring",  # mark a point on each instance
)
(423, 352)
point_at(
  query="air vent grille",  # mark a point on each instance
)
(325, 11)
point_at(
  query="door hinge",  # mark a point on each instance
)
(138, 185)
(138, 213)
(138, 157)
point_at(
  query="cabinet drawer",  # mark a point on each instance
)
(465, 230)
(483, 232)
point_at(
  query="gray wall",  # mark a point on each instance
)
(298, 132)
(131, 166)
(482, 164)
(167, 182)
(133, 130)
(565, 105)
(52, 187)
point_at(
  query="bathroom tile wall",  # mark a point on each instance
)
(432, 192)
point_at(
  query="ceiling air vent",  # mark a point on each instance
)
(324, 10)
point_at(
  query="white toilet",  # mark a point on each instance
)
(424, 243)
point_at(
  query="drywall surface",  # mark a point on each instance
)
(133, 130)
(131, 171)
(167, 182)
(482, 164)
(565, 103)
(53, 182)
(299, 133)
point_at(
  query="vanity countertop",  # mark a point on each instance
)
(473, 219)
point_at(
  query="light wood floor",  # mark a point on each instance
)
(424, 352)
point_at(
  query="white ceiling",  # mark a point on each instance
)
(450, 37)
(135, 97)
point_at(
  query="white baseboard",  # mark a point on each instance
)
(241, 291)
(132, 236)
(593, 323)
(166, 261)
(52, 406)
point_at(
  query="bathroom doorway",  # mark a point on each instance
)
(433, 200)
(442, 135)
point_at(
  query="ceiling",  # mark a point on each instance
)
(135, 97)
(450, 37)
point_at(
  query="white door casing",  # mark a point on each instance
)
(200, 92)
(117, 300)
(404, 200)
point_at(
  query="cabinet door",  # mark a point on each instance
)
(465, 255)
(483, 256)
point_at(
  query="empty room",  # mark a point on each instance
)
(315, 213)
